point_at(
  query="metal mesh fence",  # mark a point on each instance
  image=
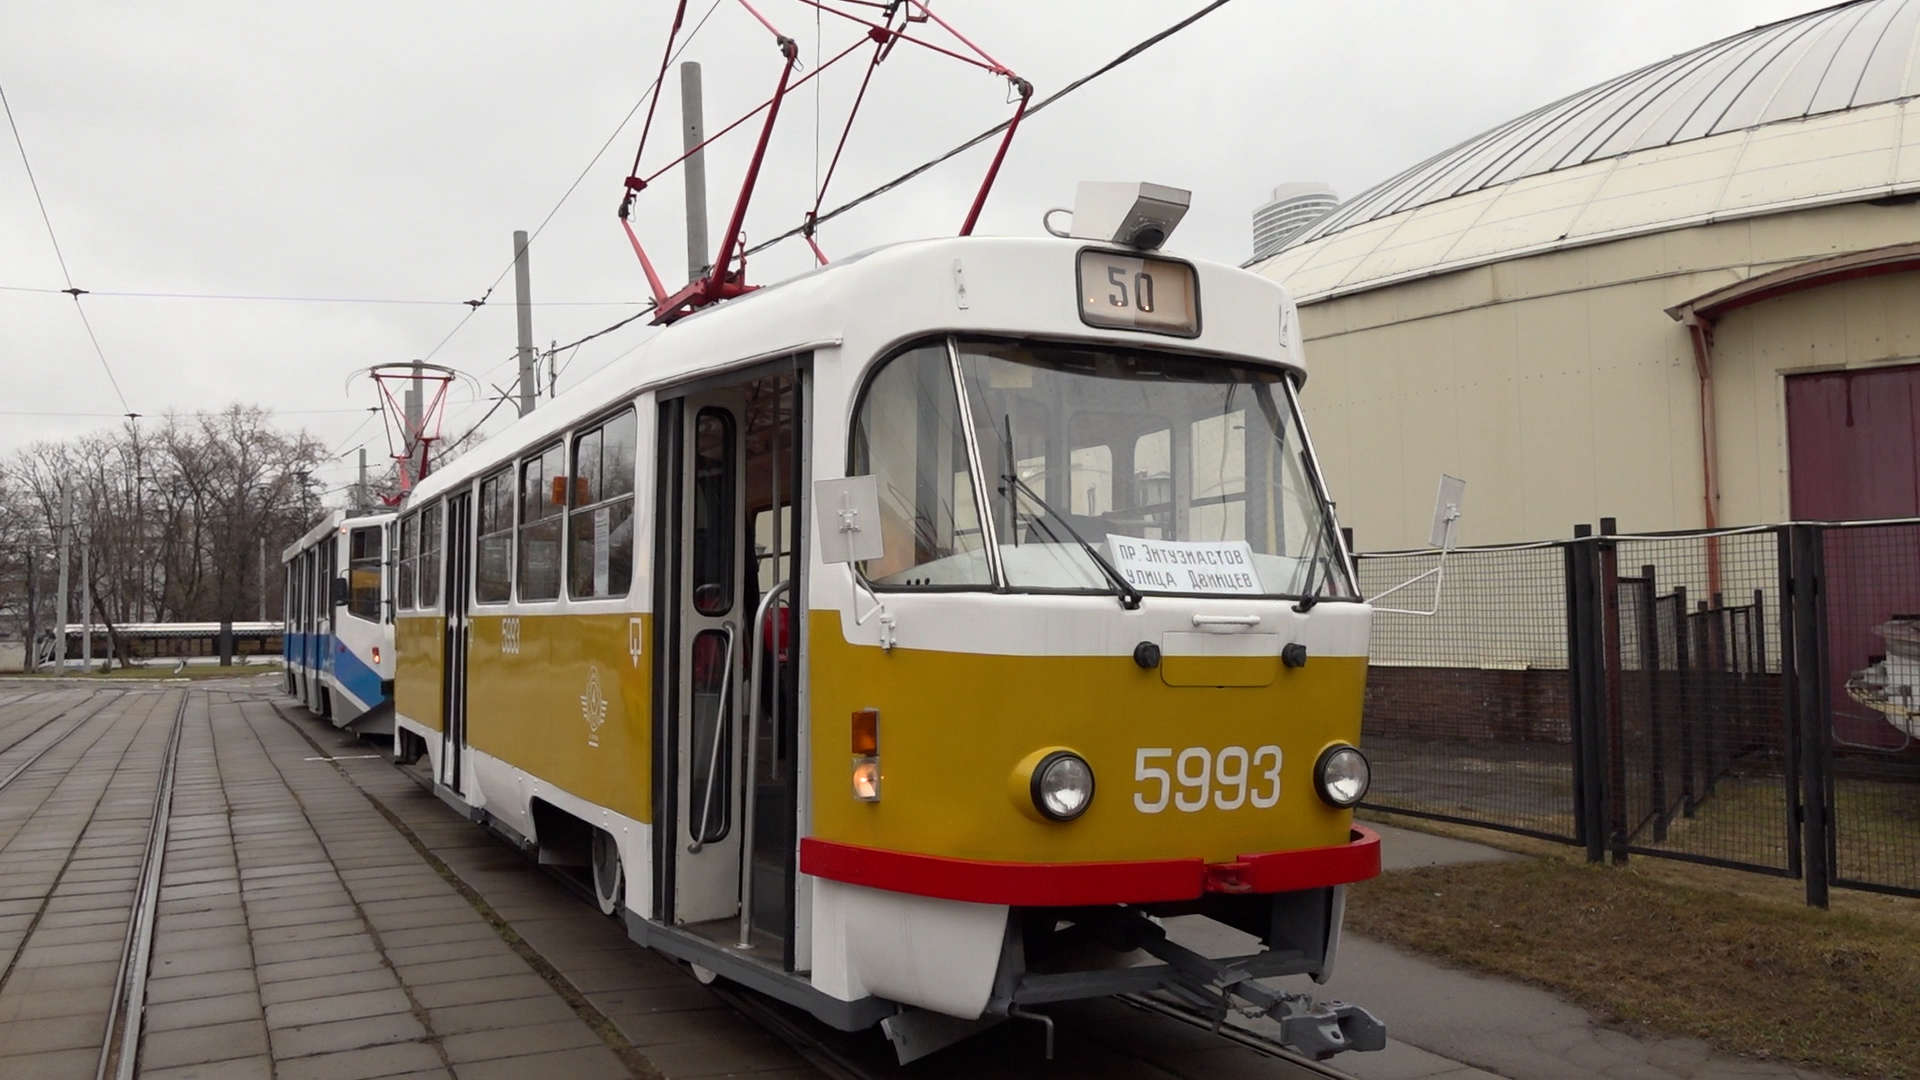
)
(1468, 711)
(1700, 753)
(1670, 711)
(1872, 653)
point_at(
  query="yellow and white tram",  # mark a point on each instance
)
(909, 639)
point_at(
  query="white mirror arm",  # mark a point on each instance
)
(1438, 574)
(879, 605)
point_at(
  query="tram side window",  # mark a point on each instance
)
(908, 437)
(600, 526)
(493, 577)
(363, 573)
(409, 562)
(714, 501)
(543, 497)
(429, 573)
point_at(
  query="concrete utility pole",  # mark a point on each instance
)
(523, 306)
(263, 544)
(416, 401)
(361, 500)
(31, 661)
(66, 539)
(693, 131)
(86, 600)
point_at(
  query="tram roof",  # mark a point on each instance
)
(885, 295)
(333, 519)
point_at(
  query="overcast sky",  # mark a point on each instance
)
(388, 150)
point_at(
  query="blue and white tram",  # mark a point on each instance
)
(339, 638)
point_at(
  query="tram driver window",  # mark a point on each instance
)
(908, 437)
(600, 526)
(543, 495)
(363, 573)
(493, 570)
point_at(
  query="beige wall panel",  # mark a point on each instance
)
(1560, 399)
(1631, 403)
(1718, 254)
(1557, 444)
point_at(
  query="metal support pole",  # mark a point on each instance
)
(362, 499)
(30, 660)
(263, 547)
(410, 440)
(523, 308)
(86, 601)
(65, 526)
(1616, 751)
(1587, 679)
(693, 132)
(1813, 708)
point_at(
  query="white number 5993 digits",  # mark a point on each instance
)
(1227, 779)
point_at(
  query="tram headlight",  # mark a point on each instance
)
(1342, 776)
(866, 779)
(1062, 785)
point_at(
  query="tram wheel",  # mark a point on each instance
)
(609, 882)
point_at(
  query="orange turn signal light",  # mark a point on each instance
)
(866, 732)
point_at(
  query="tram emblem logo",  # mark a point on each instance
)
(593, 707)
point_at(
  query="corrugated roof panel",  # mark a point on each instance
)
(1853, 54)
(1850, 59)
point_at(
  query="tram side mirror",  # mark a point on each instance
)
(847, 516)
(1445, 530)
(339, 596)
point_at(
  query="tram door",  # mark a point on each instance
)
(712, 616)
(731, 543)
(457, 593)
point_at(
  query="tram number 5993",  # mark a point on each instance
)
(1137, 293)
(1226, 779)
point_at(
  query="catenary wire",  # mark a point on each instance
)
(272, 299)
(47, 220)
(903, 178)
(931, 163)
(650, 92)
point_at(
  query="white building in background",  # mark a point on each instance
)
(1293, 208)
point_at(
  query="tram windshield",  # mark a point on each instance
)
(1185, 476)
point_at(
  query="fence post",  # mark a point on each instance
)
(1586, 707)
(1656, 718)
(1682, 665)
(1812, 707)
(1789, 697)
(1616, 751)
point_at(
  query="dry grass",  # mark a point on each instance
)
(1735, 959)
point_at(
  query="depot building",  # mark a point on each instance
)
(1686, 297)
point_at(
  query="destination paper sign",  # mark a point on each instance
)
(1196, 566)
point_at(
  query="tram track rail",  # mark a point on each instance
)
(1250, 1039)
(20, 770)
(119, 1050)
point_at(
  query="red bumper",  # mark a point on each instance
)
(1075, 884)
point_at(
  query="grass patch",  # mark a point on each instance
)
(1747, 971)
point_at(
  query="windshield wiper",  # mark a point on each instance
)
(1129, 596)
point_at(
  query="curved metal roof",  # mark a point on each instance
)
(1864, 52)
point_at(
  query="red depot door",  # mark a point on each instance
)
(1854, 455)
